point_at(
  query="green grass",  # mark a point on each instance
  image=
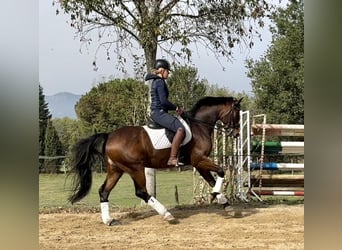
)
(55, 189)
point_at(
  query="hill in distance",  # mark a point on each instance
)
(62, 104)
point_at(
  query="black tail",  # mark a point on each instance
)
(83, 157)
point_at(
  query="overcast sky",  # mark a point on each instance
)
(63, 68)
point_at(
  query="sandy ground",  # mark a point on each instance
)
(202, 227)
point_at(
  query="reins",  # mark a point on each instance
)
(216, 126)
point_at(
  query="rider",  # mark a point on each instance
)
(160, 105)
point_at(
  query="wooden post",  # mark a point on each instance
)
(176, 195)
(150, 173)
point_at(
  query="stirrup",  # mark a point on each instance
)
(174, 162)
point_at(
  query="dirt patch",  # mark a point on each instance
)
(209, 227)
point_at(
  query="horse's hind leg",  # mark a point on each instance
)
(113, 176)
(141, 192)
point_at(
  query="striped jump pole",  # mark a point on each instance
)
(279, 192)
(275, 147)
(279, 180)
(278, 129)
(277, 166)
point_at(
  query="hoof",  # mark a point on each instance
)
(168, 216)
(221, 199)
(170, 219)
(228, 208)
(114, 222)
(212, 197)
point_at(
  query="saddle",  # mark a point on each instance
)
(153, 125)
(161, 137)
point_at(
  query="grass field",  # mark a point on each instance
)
(55, 189)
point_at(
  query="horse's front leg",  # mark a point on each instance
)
(206, 164)
(205, 167)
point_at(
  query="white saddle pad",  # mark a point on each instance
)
(159, 139)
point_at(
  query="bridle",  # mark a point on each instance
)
(231, 121)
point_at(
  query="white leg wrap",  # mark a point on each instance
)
(156, 205)
(106, 219)
(218, 185)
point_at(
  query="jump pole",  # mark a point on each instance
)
(278, 129)
(279, 192)
(277, 166)
(283, 147)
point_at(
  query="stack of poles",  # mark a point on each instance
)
(285, 181)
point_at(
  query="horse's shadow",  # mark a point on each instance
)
(241, 210)
(226, 212)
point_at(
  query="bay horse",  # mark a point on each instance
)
(128, 149)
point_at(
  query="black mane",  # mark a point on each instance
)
(210, 101)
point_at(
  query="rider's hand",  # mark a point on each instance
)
(179, 110)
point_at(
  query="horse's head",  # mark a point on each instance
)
(230, 117)
(208, 110)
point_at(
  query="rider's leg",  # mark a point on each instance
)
(176, 142)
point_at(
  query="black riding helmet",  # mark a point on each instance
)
(162, 63)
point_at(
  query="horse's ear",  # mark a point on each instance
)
(238, 102)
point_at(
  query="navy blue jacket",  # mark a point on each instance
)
(159, 94)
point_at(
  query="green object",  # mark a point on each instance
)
(270, 147)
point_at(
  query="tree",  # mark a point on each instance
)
(278, 77)
(68, 131)
(44, 117)
(185, 87)
(170, 26)
(215, 90)
(53, 148)
(113, 104)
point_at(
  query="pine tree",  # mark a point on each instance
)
(53, 148)
(44, 116)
